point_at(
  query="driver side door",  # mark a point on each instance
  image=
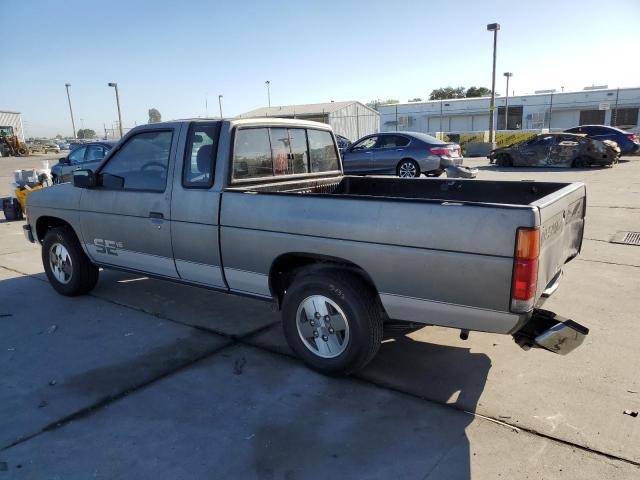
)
(535, 152)
(358, 159)
(126, 222)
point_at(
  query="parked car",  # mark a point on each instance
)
(343, 142)
(64, 146)
(84, 156)
(260, 207)
(405, 154)
(43, 146)
(557, 150)
(628, 142)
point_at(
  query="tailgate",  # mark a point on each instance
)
(561, 228)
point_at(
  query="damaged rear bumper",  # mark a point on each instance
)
(552, 332)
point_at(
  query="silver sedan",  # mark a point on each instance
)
(405, 154)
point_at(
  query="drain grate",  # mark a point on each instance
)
(627, 238)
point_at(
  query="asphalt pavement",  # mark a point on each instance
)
(150, 379)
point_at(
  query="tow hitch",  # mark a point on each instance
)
(551, 332)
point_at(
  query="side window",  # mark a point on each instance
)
(252, 154)
(77, 156)
(94, 153)
(365, 144)
(141, 164)
(198, 168)
(322, 151)
(299, 154)
(392, 141)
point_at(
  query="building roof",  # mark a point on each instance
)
(307, 109)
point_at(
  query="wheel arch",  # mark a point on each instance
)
(46, 223)
(285, 268)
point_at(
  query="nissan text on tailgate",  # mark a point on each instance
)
(261, 208)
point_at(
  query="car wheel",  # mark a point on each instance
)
(408, 169)
(504, 160)
(581, 162)
(68, 269)
(332, 320)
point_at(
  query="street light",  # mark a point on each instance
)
(220, 104)
(506, 102)
(115, 85)
(267, 83)
(73, 124)
(493, 27)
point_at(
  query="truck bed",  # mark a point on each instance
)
(468, 191)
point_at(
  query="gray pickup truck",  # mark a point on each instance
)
(260, 207)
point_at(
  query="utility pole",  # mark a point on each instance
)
(268, 83)
(550, 109)
(614, 116)
(493, 27)
(506, 102)
(115, 85)
(220, 105)
(73, 124)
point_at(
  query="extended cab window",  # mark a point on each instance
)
(322, 151)
(200, 160)
(141, 164)
(94, 153)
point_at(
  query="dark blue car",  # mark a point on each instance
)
(88, 155)
(627, 141)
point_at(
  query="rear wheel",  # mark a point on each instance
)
(504, 160)
(581, 162)
(68, 269)
(408, 169)
(332, 320)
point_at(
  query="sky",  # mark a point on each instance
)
(179, 56)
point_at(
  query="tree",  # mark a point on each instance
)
(417, 99)
(86, 133)
(154, 116)
(477, 92)
(376, 103)
(446, 93)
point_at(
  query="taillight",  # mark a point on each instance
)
(525, 269)
(439, 151)
(633, 138)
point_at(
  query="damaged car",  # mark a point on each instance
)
(557, 150)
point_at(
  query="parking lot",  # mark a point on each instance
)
(145, 378)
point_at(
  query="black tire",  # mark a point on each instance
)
(410, 164)
(358, 302)
(581, 162)
(504, 160)
(82, 274)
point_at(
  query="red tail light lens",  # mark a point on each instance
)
(525, 269)
(439, 151)
(633, 138)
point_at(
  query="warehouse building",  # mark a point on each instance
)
(543, 110)
(350, 119)
(14, 121)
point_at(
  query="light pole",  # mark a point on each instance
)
(267, 83)
(220, 105)
(73, 124)
(493, 27)
(115, 85)
(506, 102)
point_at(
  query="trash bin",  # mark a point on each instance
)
(11, 208)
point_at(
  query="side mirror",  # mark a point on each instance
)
(84, 178)
(65, 160)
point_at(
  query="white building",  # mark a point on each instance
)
(551, 110)
(14, 120)
(350, 119)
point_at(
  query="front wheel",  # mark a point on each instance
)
(408, 169)
(68, 269)
(332, 320)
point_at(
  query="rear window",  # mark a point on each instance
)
(268, 152)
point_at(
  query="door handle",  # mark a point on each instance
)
(156, 215)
